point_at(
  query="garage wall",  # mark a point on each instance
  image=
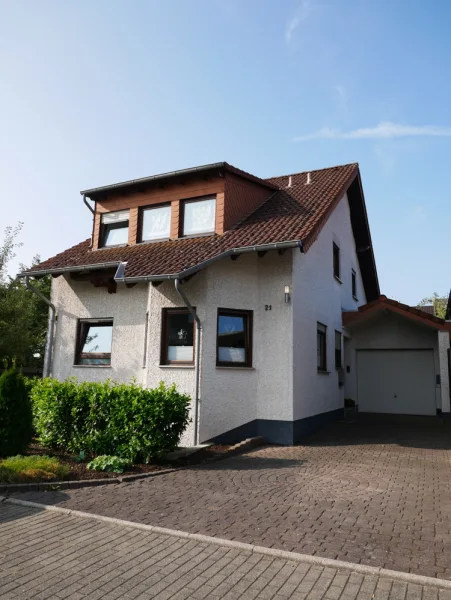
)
(388, 331)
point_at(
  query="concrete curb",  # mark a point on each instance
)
(273, 552)
(13, 488)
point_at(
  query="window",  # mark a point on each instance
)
(94, 342)
(156, 223)
(177, 345)
(337, 349)
(234, 338)
(199, 216)
(354, 284)
(321, 346)
(336, 261)
(114, 228)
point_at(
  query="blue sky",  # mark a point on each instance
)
(95, 92)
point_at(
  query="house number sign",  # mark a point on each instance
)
(268, 307)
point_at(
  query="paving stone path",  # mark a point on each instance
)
(52, 556)
(372, 494)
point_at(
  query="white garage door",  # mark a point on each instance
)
(396, 381)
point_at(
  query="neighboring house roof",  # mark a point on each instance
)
(428, 308)
(294, 214)
(353, 318)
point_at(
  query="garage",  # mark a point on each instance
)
(396, 381)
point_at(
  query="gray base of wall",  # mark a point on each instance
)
(285, 433)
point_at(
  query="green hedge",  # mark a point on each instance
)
(108, 418)
(15, 414)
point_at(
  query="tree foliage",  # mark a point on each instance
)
(16, 420)
(438, 302)
(23, 316)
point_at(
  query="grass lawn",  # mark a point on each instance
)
(25, 469)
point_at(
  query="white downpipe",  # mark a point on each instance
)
(182, 295)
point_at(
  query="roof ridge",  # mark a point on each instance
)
(353, 164)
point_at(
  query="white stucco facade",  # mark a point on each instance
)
(319, 297)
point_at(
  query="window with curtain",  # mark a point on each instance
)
(199, 216)
(177, 340)
(321, 347)
(338, 350)
(114, 228)
(156, 223)
(234, 338)
(94, 342)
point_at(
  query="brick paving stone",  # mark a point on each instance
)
(363, 493)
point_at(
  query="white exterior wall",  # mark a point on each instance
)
(80, 300)
(230, 397)
(387, 330)
(318, 296)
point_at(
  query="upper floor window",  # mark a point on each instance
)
(94, 342)
(156, 223)
(114, 228)
(321, 347)
(336, 255)
(354, 283)
(199, 216)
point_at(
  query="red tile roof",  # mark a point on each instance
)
(290, 214)
(383, 303)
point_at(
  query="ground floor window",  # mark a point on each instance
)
(321, 346)
(94, 338)
(177, 339)
(234, 338)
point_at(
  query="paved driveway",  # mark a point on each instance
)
(375, 494)
(54, 556)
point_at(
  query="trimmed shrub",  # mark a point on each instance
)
(110, 464)
(16, 422)
(124, 420)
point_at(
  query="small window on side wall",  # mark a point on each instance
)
(94, 338)
(354, 283)
(199, 216)
(234, 338)
(155, 223)
(321, 347)
(338, 350)
(177, 340)
(336, 259)
(114, 228)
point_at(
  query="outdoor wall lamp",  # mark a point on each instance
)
(287, 293)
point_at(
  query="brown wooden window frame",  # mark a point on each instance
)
(354, 283)
(164, 361)
(141, 211)
(338, 352)
(336, 260)
(321, 345)
(82, 331)
(248, 316)
(186, 201)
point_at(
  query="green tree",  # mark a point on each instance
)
(23, 316)
(438, 302)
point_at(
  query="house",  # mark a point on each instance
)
(257, 297)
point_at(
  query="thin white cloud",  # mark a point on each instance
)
(385, 130)
(301, 15)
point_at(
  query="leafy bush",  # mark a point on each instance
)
(16, 421)
(124, 420)
(22, 469)
(111, 464)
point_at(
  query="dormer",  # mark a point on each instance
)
(201, 201)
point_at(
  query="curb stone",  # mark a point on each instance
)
(284, 554)
(13, 488)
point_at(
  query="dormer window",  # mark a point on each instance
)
(114, 228)
(156, 223)
(199, 216)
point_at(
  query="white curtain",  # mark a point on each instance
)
(199, 217)
(156, 223)
(184, 353)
